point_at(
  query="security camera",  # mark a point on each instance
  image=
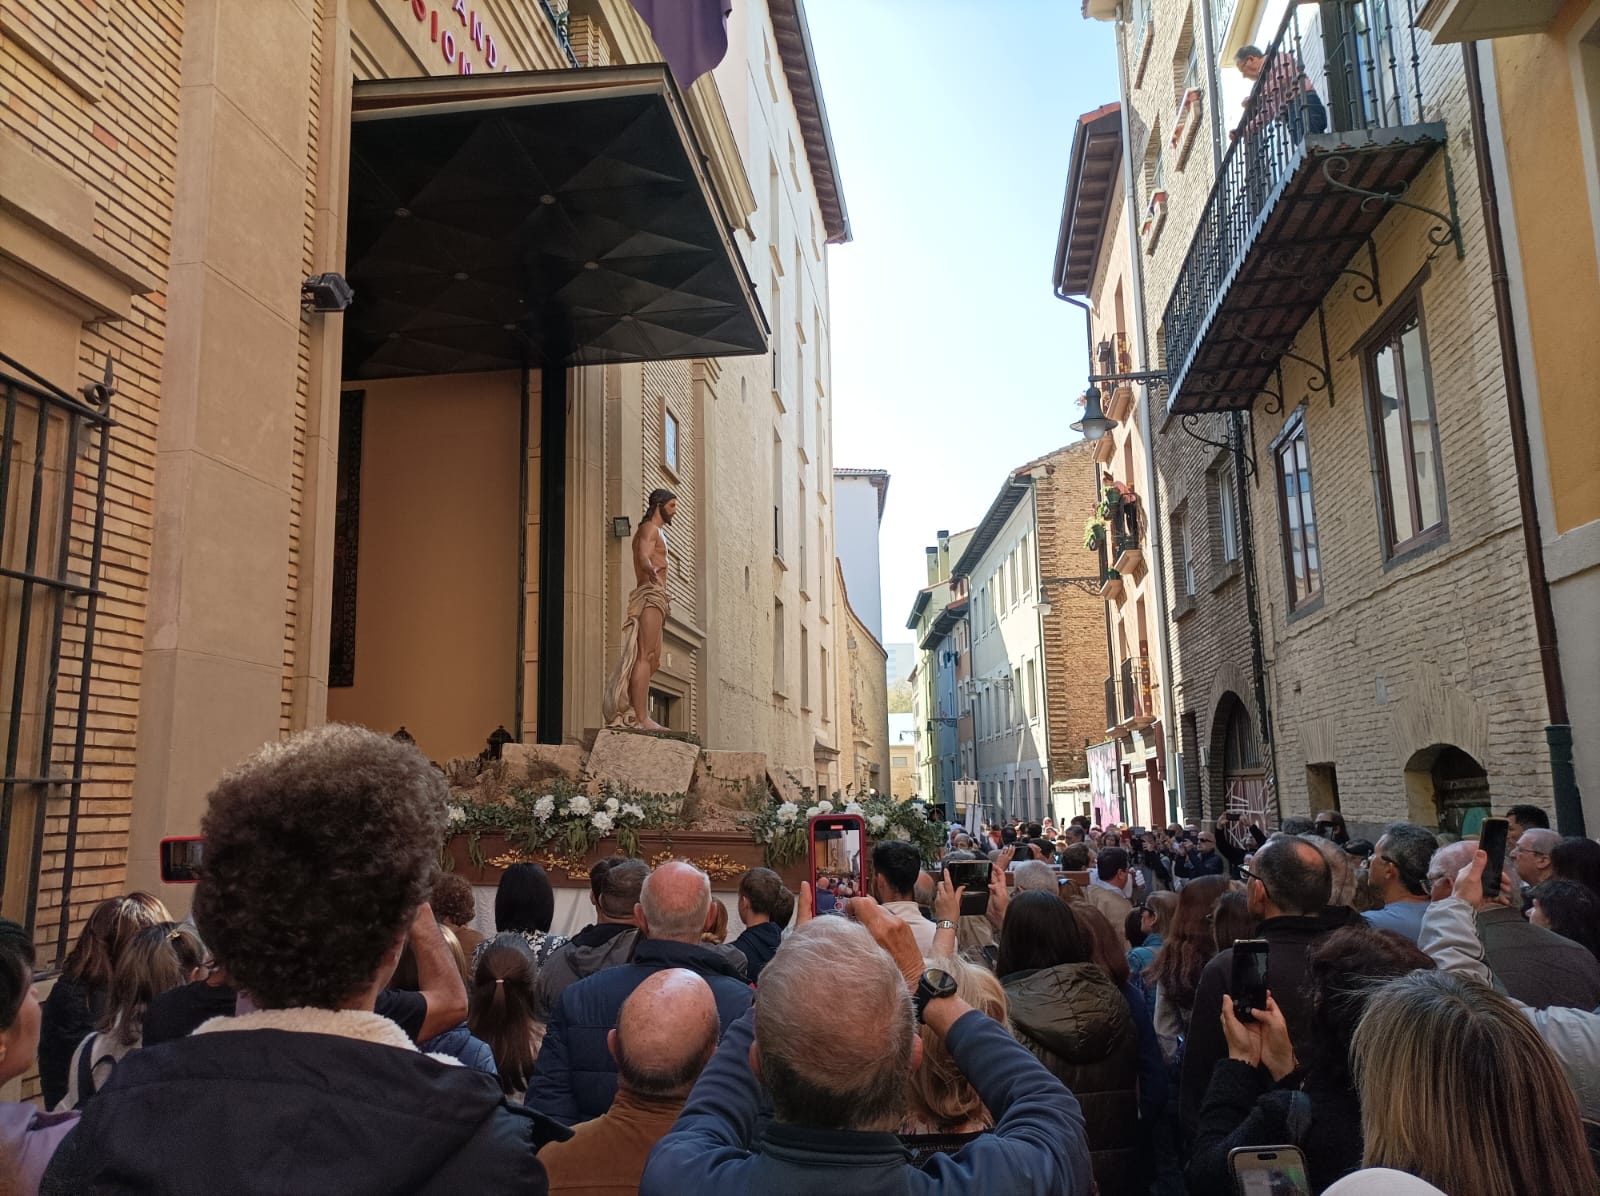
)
(325, 293)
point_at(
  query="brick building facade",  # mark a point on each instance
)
(1376, 560)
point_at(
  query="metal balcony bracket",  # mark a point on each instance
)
(1321, 373)
(1275, 407)
(1189, 419)
(1294, 262)
(1446, 232)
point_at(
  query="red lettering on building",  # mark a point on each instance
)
(466, 65)
(447, 44)
(435, 33)
(420, 8)
(477, 31)
(460, 9)
(492, 53)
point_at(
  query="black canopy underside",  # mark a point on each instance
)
(552, 217)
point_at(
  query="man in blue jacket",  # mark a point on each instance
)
(575, 1078)
(836, 1056)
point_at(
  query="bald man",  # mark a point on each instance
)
(666, 1033)
(575, 1078)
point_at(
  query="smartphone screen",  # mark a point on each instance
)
(1269, 1171)
(1492, 839)
(181, 859)
(838, 871)
(1249, 986)
(974, 874)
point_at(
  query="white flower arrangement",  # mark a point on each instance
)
(876, 823)
(564, 822)
(825, 806)
(788, 812)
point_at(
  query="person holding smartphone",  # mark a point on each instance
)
(1264, 1094)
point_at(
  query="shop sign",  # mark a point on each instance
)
(460, 36)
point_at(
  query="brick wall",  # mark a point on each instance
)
(1400, 658)
(1075, 628)
(92, 88)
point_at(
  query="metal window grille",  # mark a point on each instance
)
(53, 477)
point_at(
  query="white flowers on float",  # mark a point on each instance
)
(788, 812)
(578, 804)
(601, 821)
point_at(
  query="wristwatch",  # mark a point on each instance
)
(944, 924)
(934, 985)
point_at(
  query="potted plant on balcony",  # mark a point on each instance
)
(1110, 503)
(1094, 535)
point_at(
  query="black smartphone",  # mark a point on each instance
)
(1249, 980)
(838, 865)
(975, 875)
(1492, 839)
(181, 858)
(1269, 1171)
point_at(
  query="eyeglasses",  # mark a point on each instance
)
(1542, 855)
(1248, 876)
(1207, 839)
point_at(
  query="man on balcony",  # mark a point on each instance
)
(1285, 93)
(1124, 511)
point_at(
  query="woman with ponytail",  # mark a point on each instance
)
(27, 1137)
(502, 1010)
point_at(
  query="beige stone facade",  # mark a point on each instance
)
(169, 173)
(863, 688)
(1402, 676)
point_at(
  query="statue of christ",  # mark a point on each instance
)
(627, 700)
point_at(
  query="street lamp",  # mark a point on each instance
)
(1093, 425)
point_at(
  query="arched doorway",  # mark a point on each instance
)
(1244, 775)
(1446, 787)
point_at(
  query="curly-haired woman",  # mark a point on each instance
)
(319, 852)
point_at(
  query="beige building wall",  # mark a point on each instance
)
(169, 173)
(863, 683)
(436, 622)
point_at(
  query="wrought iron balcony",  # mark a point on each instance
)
(1331, 138)
(1137, 692)
(1112, 717)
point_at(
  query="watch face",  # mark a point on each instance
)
(942, 984)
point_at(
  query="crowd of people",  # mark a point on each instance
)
(331, 1021)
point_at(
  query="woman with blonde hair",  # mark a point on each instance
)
(943, 1110)
(78, 998)
(1451, 1076)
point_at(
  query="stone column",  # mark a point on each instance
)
(213, 683)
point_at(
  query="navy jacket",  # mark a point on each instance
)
(274, 1111)
(575, 1078)
(1038, 1146)
(759, 943)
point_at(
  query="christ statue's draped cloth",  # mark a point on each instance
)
(617, 710)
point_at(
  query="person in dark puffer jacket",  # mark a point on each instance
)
(575, 1077)
(1070, 1014)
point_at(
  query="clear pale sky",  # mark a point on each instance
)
(953, 362)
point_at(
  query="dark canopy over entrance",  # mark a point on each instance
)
(537, 221)
(541, 218)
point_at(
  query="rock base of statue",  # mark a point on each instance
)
(719, 787)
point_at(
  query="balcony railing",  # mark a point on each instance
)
(1136, 691)
(1112, 715)
(1332, 131)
